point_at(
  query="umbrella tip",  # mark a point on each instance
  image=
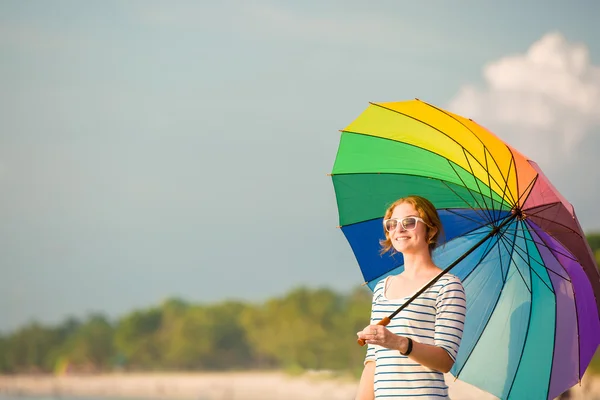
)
(339, 226)
(364, 284)
(329, 174)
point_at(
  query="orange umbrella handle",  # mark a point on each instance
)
(384, 322)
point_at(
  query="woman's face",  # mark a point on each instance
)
(408, 241)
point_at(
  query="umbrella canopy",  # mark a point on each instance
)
(531, 282)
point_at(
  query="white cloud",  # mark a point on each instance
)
(543, 102)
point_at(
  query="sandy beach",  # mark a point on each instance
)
(224, 386)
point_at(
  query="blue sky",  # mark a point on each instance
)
(151, 149)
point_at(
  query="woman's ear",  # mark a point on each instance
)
(431, 234)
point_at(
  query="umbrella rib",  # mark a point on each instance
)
(506, 186)
(533, 181)
(484, 255)
(451, 210)
(567, 255)
(541, 208)
(528, 261)
(555, 305)
(487, 250)
(418, 147)
(477, 183)
(544, 207)
(465, 185)
(567, 228)
(485, 153)
(522, 351)
(465, 201)
(519, 248)
(548, 206)
(440, 131)
(526, 251)
(513, 251)
(513, 162)
(436, 179)
(554, 344)
(486, 322)
(480, 141)
(501, 262)
(487, 167)
(576, 313)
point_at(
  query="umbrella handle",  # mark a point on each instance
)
(384, 322)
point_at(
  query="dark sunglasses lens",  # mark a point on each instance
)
(409, 223)
(390, 225)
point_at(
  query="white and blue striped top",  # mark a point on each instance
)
(437, 318)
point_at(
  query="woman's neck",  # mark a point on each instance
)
(417, 263)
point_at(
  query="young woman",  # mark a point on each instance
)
(408, 357)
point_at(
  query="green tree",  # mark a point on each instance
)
(190, 340)
(135, 339)
(297, 331)
(594, 242)
(357, 310)
(32, 348)
(205, 337)
(91, 343)
(4, 366)
(231, 347)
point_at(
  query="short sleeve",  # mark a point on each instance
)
(451, 308)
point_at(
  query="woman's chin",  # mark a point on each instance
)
(401, 247)
(406, 248)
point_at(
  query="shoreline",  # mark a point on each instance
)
(182, 386)
(222, 386)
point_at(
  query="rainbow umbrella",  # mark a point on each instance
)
(532, 285)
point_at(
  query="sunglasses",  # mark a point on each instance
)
(408, 223)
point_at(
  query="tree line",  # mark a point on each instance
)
(305, 329)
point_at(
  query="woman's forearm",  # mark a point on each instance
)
(366, 390)
(429, 356)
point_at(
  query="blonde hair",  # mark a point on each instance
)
(426, 211)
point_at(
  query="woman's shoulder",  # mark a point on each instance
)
(449, 280)
(380, 284)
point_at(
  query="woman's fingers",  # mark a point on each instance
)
(370, 332)
(379, 335)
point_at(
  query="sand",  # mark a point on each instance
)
(224, 386)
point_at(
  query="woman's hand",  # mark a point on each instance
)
(381, 336)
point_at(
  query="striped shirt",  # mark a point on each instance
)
(436, 317)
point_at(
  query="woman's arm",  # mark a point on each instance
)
(366, 390)
(430, 356)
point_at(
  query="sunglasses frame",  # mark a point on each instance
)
(400, 222)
